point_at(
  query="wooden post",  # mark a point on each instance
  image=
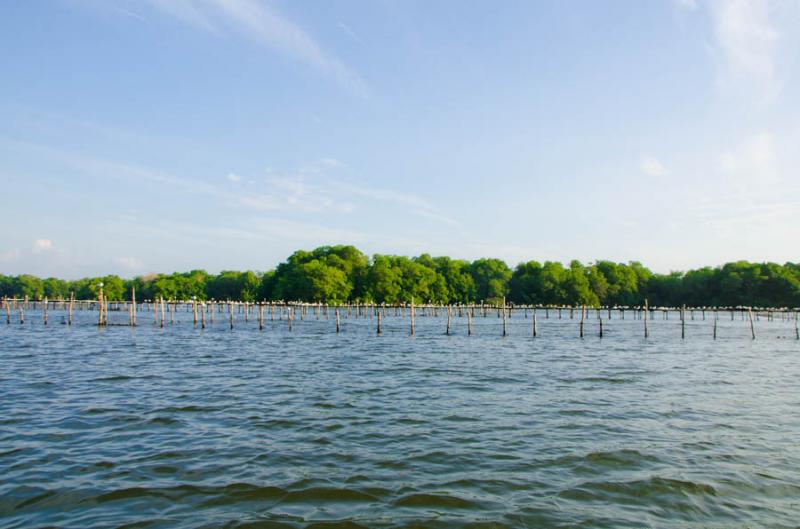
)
(505, 330)
(646, 333)
(8, 312)
(21, 314)
(172, 311)
(469, 323)
(230, 311)
(100, 308)
(71, 303)
(203, 316)
(379, 323)
(534, 322)
(752, 328)
(194, 311)
(583, 316)
(133, 305)
(796, 328)
(337, 321)
(260, 316)
(601, 327)
(715, 325)
(448, 320)
(683, 322)
(44, 311)
(411, 314)
(162, 312)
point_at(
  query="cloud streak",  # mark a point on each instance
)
(266, 26)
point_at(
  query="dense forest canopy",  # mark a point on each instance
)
(343, 273)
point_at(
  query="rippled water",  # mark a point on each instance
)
(180, 427)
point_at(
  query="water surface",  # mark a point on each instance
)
(182, 427)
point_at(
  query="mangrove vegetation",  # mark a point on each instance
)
(337, 274)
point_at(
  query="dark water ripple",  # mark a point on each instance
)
(152, 428)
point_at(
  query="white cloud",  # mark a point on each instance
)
(333, 162)
(754, 159)
(9, 255)
(688, 4)
(235, 178)
(42, 245)
(747, 39)
(652, 167)
(266, 25)
(130, 264)
(415, 204)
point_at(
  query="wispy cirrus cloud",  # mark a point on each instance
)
(747, 39)
(350, 33)
(267, 26)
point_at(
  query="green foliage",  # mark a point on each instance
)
(329, 273)
(491, 278)
(342, 273)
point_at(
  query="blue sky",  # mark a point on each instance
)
(146, 136)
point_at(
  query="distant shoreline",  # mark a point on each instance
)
(338, 274)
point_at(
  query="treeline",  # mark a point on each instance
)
(343, 273)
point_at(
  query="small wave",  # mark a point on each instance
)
(442, 501)
(98, 411)
(460, 418)
(653, 488)
(329, 494)
(165, 421)
(602, 380)
(11, 452)
(187, 409)
(114, 378)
